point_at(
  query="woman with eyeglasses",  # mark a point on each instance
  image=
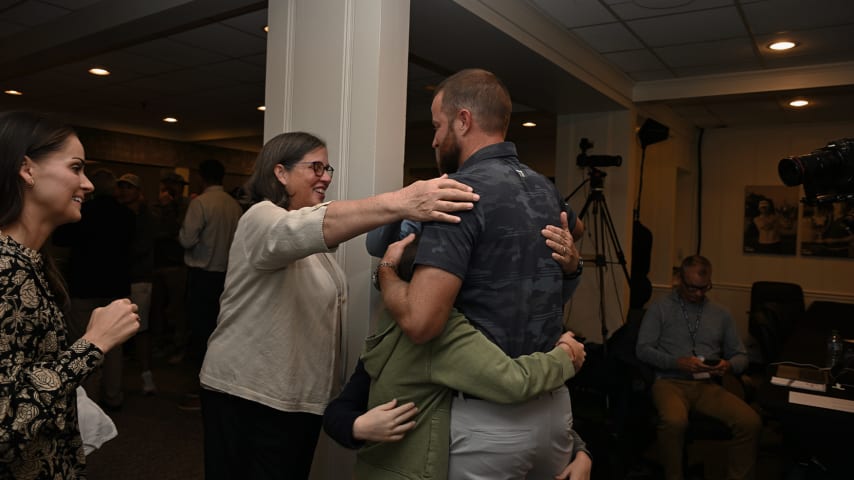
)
(43, 185)
(274, 360)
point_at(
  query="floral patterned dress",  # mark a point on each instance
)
(39, 373)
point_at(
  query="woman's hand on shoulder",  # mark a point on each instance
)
(434, 200)
(112, 325)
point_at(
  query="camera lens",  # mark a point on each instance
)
(791, 171)
(827, 173)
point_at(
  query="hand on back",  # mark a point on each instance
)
(429, 200)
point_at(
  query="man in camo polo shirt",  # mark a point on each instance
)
(494, 268)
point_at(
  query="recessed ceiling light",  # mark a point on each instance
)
(799, 103)
(101, 72)
(529, 124)
(12, 92)
(262, 108)
(782, 45)
(170, 120)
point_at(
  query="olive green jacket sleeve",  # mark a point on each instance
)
(467, 361)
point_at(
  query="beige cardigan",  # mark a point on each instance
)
(278, 336)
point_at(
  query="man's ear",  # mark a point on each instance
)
(464, 121)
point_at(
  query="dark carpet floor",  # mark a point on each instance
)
(156, 439)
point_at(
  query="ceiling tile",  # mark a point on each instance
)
(611, 37)
(180, 82)
(122, 61)
(252, 23)
(71, 4)
(822, 45)
(167, 50)
(783, 15)
(260, 59)
(635, 61)
(629, 10)
(33, 13)
(235, 70)
(224, 40)
(723, 53)
(44, 84)
(702, 26)
(575, 13)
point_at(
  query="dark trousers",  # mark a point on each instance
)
(203, 291)
(244, 439)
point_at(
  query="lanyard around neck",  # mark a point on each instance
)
(691, 331)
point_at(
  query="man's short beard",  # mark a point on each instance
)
(448, 155)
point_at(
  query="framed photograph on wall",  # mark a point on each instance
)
(827, 230)
(770, 219)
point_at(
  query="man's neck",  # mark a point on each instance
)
(474, 143)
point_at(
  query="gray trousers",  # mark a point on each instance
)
(529, 440)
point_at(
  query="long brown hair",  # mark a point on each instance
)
(33, 135)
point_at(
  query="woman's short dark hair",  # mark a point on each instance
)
(286, 149)
(24, 134)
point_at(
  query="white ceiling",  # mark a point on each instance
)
(203, 61)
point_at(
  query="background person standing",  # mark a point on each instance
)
(129, 194)
(170, 274)
(206, 234)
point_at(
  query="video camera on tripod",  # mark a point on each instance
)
(827, 173)
(593, 161)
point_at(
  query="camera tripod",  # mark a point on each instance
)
(603, 232)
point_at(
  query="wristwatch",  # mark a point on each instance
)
(375, 277)
(577, 272)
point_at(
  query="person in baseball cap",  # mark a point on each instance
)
(129, 179)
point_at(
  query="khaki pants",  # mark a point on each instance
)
(675, 398)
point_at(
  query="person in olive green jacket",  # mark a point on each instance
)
(461, 359)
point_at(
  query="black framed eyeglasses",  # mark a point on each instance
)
(697, 288)
(319, 168)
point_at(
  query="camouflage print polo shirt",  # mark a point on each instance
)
(511, 288)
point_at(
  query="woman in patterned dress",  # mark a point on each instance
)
(43, 186)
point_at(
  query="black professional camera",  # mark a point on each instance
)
(584, 160)
(827, 174)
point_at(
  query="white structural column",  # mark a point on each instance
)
(337, 69)
(612, 134)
